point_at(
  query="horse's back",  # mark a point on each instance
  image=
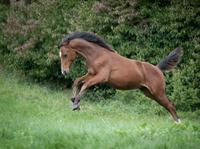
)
(130, 74)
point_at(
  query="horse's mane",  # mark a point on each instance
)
(90, 37)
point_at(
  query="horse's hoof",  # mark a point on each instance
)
(76, 107)
(178, 121)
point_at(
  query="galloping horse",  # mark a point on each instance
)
(105, 65)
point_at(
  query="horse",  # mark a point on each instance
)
(105, 65)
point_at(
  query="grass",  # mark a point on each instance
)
(37, 117)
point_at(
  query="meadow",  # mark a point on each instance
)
(36, 113)
(37, 116)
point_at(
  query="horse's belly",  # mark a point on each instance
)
(124, 85)
(126, 81)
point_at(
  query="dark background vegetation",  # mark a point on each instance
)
(147, 30)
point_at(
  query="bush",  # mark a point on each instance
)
(143, 30)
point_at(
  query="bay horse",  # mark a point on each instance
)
(105, 65)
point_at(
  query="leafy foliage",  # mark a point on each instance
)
(145, 30)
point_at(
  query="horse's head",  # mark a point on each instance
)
(67, 56)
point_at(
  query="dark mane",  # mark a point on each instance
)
(90, 37)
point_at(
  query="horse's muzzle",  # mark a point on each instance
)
(65, 72)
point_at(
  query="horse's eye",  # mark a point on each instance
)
(65, 55)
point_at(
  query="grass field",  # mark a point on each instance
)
(37, 117)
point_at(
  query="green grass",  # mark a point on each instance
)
(33, 116)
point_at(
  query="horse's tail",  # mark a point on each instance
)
(171, 60)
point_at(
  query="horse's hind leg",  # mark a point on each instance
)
(162, 100)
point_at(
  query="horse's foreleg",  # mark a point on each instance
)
(76, 85)
(88, 82)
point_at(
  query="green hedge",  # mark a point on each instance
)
(143, 30)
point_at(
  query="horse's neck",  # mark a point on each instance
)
(90, 55)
